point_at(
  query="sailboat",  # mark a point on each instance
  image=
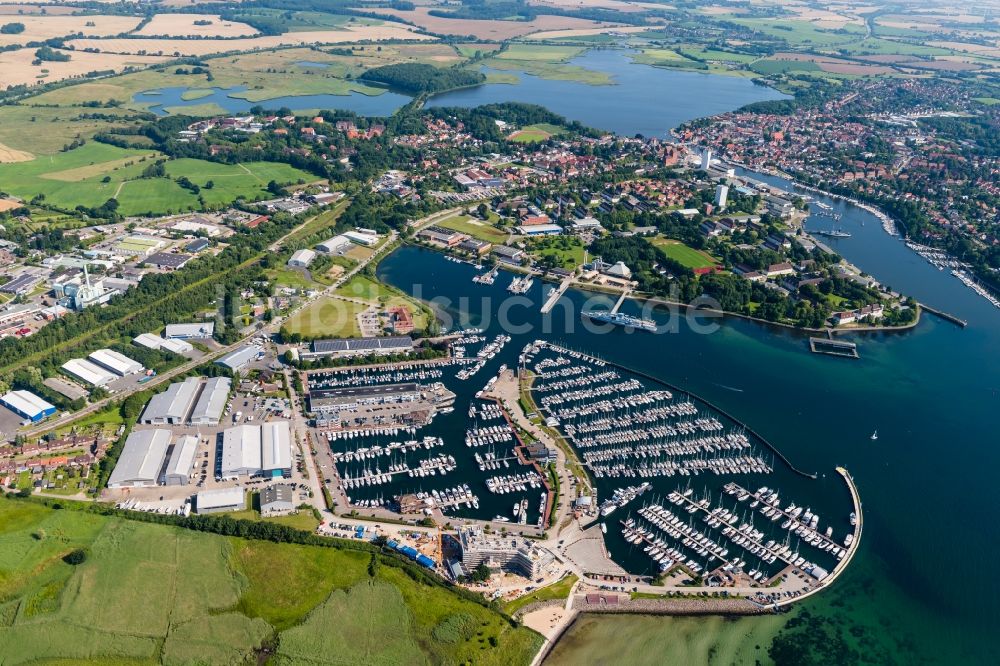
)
(875, 435)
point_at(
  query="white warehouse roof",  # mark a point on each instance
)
(276, 446)
(27, 404)
(220, 498)
(211, 402)
(117, 363)
(252, 449)
(241, 453)
(88, 372)
(181, 460)
(195, 330)
(151, 341)
(176, 345)
(302, 257)
(141, 459)
(148, 340)
(238, 359)
(333, 244)
(173, 405)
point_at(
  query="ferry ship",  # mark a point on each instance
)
(619, 319)
(833, 233)
(520, 285)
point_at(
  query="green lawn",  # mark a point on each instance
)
(157, 594)
(558, 590)
(290, 277)
(687, 256)
(475, 228)
(327, 317)
(567, 252)
(76, 177)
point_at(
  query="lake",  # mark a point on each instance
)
(645, 99)
(927, 484)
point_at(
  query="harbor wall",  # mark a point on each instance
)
(669, 606)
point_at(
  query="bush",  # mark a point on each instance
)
(75, 557)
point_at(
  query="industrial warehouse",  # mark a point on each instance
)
(119, 364)
(27, 405)
(87, 372)
(141, 459)
(347, 347)
(156, 343)
(241, 358)
(257, 450)
(192, 401)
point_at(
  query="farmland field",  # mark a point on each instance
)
(77, 177)
(150, 593)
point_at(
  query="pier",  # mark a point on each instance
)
(621, 299)
(555, 295)
(946, 316)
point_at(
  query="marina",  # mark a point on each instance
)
(630, 431)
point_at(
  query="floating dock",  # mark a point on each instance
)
(833, 347)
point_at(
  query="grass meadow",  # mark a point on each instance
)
(150, 594)
(95, 172)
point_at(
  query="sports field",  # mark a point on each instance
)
(678, 251)
(77, 177)
(535, 133)
(157, 594)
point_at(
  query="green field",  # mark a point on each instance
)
(327, 317)
(535, 133)
(475, 228)
(76, 177)
(680, 252)
(548, 62)
(565, 252)
(558, 590)
(540, 53)
(782, 66)
(800, 33)
(876, 46)
(157, 594)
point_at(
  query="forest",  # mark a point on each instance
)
(416, 78)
